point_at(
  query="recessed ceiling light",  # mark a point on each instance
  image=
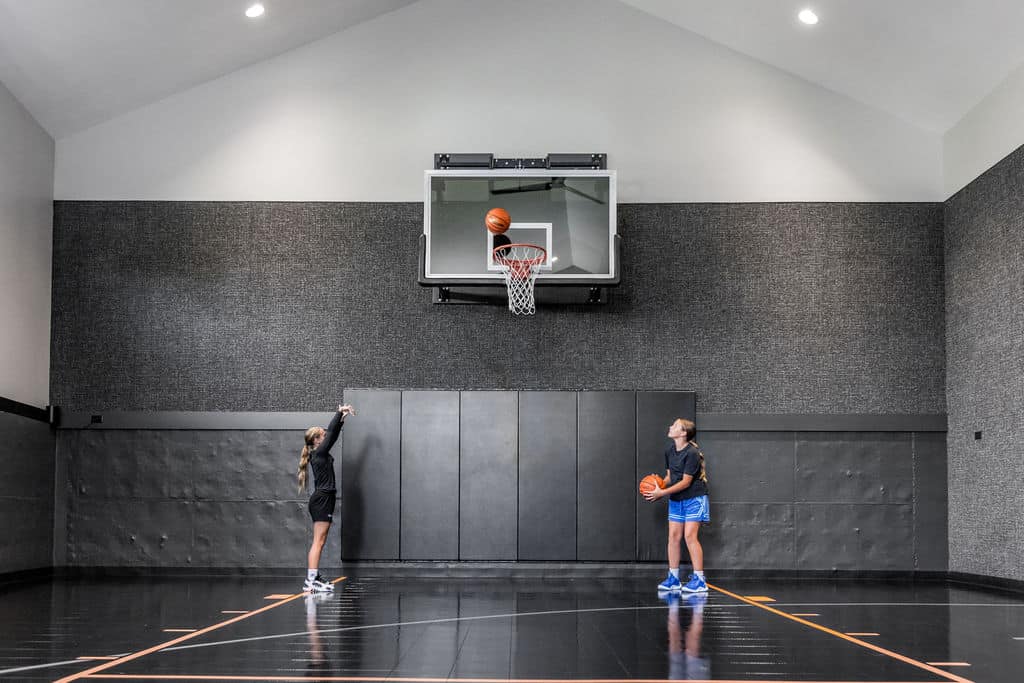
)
(808, 17)
(255, 10)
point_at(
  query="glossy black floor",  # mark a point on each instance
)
(377, 627)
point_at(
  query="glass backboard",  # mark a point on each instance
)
(571, 213)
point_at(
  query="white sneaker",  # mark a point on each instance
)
(318, 585)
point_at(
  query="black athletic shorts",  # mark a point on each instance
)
(321, 506)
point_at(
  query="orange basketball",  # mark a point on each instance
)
(497, 221)
(650, 482)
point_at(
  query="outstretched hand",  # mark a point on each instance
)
(346, 410)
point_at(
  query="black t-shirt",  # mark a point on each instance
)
(321, 460)
(686, 461)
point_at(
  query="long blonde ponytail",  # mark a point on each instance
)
(307, 450)
(690, 428)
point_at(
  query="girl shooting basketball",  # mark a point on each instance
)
(687, 506)
(317, 453)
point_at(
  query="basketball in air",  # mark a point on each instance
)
(497, 221)
(651, 482)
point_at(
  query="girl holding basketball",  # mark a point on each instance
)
(688, 506)
(317, 453)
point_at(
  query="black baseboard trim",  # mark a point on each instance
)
(24, 410)
(517, 570)
(976, 580)
(8, 579)
(503, 570)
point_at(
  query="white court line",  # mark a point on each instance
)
(576, 611)
(897, 604)
(417, 623)
(47, 666)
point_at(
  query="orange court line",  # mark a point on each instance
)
(759, 598)
(871, 646)
(88, 673)
(402, 679)
(277, 596)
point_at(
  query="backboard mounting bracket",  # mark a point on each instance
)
(495, 295)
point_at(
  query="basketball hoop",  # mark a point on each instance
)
(520, 263)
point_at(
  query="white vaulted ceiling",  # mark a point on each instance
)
(927, 62)
(77, 63)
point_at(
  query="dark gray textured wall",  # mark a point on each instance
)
(26, 493)
(985, 358)
(760, 308)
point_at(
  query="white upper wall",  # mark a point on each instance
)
(26, 231)
(989, 132)
(358, 116)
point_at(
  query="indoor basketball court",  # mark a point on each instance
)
(404, 626)
(494, 341)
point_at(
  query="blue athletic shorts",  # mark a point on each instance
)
(689, 510)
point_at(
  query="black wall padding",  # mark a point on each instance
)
(430, 475)
(488, 490)
(547, 475)
(371, 476)
(606, 457)
(504, 475)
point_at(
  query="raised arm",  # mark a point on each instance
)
(334, 428)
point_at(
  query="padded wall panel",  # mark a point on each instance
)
(488, 488)
(854, 467)
(371, 473)
(655, 411)
(606, 465)
(851, 536)
(132, 533)
(931, 515)
(749, 467)
(262, 533)
(135, 464)
(430, 475)
(547, 475)
(26, 493)
(750, 536)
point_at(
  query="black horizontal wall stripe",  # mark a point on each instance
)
(23, 409)
(706, 422)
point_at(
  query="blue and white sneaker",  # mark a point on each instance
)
(671, 583)
(694, 585)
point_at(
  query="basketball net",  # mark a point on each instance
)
(520, 263)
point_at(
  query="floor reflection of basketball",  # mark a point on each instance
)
(497, 220)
